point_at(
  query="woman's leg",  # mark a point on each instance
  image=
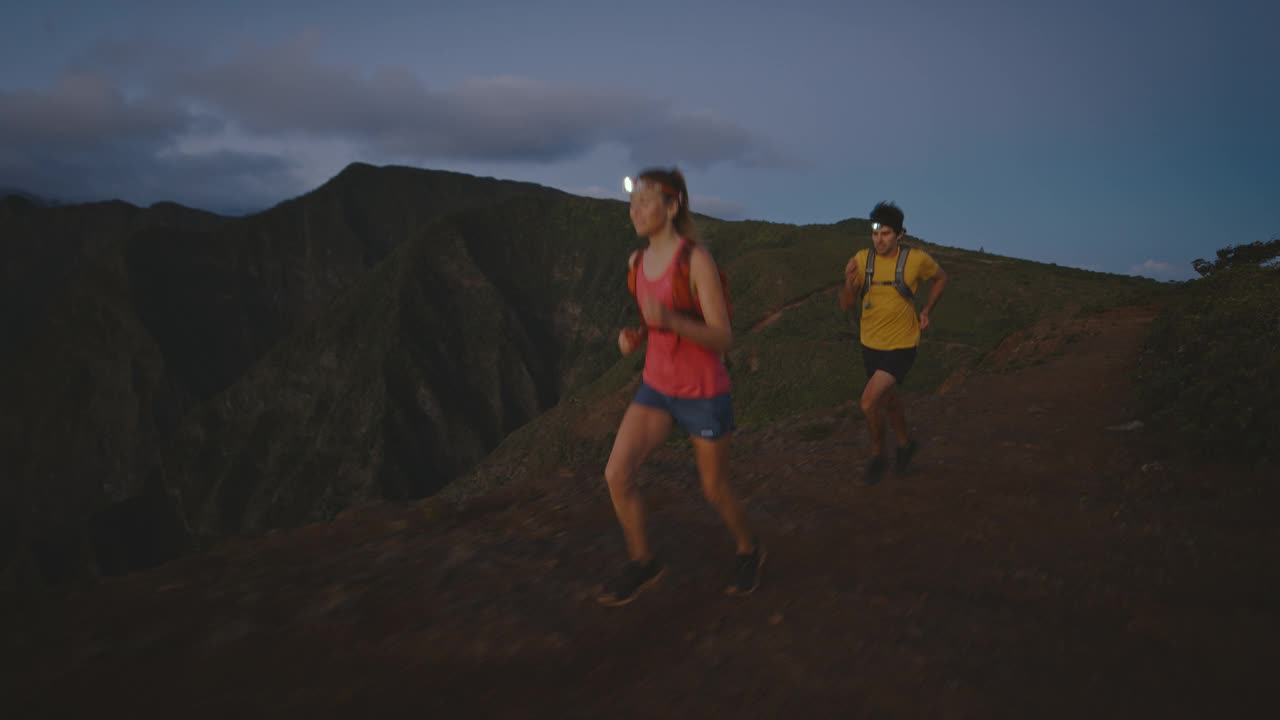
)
(643, 429)
(713, 466)
(712, 457)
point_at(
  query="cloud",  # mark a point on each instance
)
(88, 137)
(123, 119)
(1158, 270)
(700, 140)
(286, 88)
(84, 108)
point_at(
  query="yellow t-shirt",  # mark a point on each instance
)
(891, 323)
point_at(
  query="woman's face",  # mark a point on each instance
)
(650, 211)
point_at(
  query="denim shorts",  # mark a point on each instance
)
(706, 418)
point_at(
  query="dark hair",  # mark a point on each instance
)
(886, 213)
(674, 179)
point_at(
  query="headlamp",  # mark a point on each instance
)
(637, 184)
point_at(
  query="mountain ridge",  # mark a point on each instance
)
(121, 446)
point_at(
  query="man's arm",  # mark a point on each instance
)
(853, 279)
(935, 292)
(853, 275)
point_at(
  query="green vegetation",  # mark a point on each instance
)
(1249, 255)
(380, 336)
(1209, 368)
(807, 359)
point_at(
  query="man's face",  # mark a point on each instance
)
(885, 238)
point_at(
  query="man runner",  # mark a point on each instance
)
(884, 291)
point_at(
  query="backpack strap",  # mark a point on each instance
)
(686, 300)
(681, 288)
(870, 272)
(899, 281)
(899, 275)
(631, 271)
(682, 296)
(636, 261)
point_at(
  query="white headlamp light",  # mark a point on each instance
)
(632, 185)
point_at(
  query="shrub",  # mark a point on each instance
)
(1210, 367)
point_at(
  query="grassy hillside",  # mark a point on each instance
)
(118, 321)
(458, 338)
(379, 336)
(808, 357)
(1209, 369)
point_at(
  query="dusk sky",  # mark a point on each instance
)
(1123, 136)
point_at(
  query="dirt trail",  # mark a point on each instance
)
(1031, 564)
(776, 315)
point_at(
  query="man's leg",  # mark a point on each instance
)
(880, 384)
(897, 417)
(898, 420)
(900, 362)
(873, 397)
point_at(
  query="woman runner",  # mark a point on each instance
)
(684, 382)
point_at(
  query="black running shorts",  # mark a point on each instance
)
(895, 362)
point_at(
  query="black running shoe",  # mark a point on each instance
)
(875, 469)
(904, 456)
(746, 572)
(635, 578)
